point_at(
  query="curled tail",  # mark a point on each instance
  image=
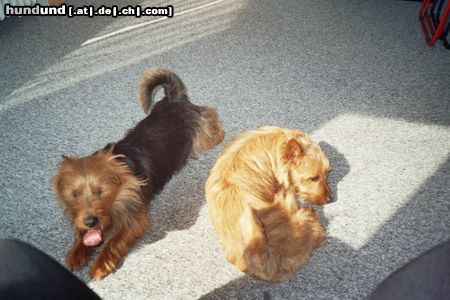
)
(172, 84)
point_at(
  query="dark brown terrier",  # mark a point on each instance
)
(107, 193)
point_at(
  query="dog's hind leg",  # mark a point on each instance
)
(258, 258)
(209, 133)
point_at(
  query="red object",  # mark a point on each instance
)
(431, 32)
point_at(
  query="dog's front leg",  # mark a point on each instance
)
(78, 255)
(117, 247)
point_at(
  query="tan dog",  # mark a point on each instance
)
(252, 191)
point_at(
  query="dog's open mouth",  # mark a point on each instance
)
(92, 237)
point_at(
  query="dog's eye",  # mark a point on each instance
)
(316, 178)
(98, 193)
(76, 194)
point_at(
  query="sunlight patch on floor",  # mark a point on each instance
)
(129, 47)
(389, 160)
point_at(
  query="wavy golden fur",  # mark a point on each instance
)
(252, 194)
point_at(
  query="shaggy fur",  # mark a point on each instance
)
(107, 193)
(252, 194)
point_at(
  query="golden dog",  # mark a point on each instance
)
(253, 194)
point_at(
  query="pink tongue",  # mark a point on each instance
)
(92, 237)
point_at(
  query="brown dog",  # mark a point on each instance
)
(252, 194)
(107, 193)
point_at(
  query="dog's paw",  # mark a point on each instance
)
(98, 273)
(101, 269)
(320, 235)
(320, 241)
(77, 258)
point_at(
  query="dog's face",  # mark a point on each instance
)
(309, 168)
(87, 187)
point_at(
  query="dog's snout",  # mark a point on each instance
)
(90, 221)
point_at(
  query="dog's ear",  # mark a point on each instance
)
(110, 148)
(56, 181)
(294, 151)
(65, 158)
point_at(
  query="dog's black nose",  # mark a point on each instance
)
(90, 221)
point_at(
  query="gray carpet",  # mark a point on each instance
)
(357, 75)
